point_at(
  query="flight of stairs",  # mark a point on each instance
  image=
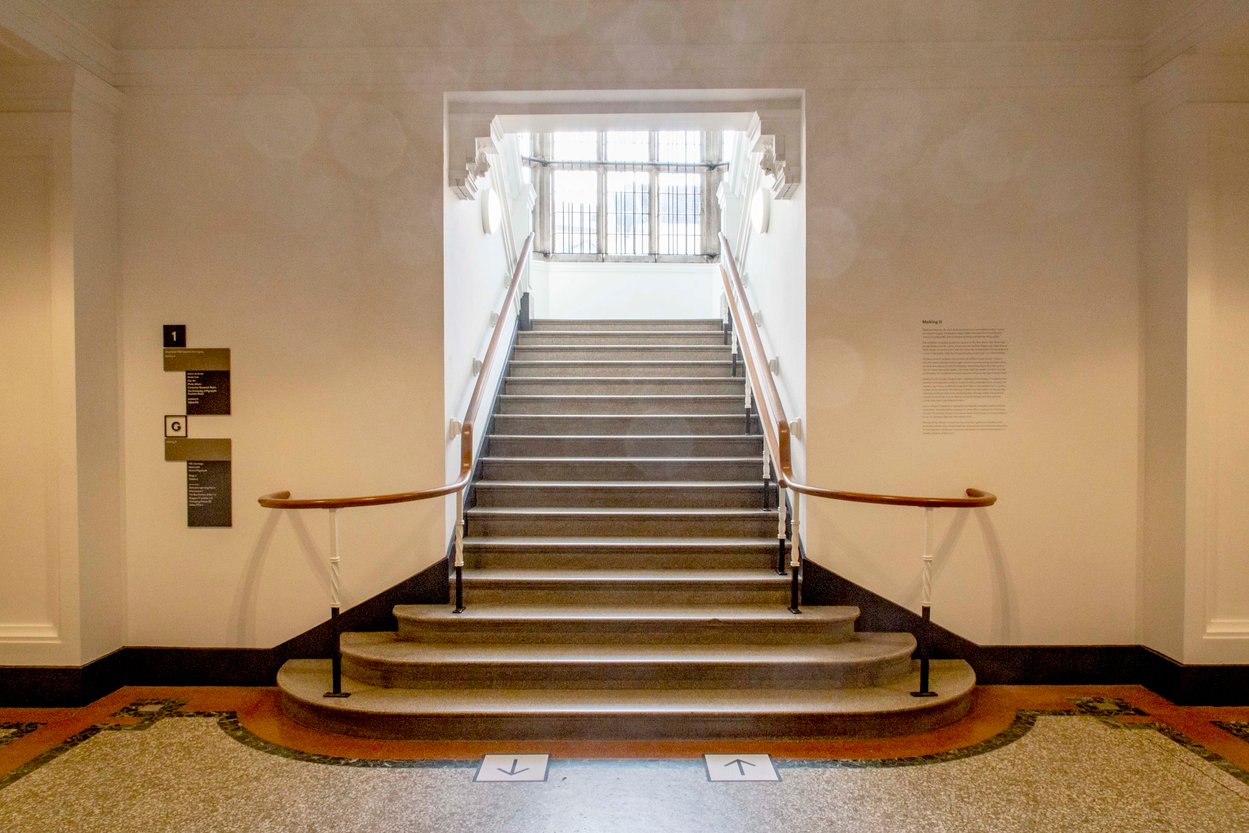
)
(620, 576)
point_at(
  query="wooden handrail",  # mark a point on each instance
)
(283, 500)
(776, 427)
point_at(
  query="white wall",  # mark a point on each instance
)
(776, 280)
(295, 227)
(477, 275)
(281, 192)
(625, 290)
(995, 206)
(1217, 581)
(64, 602)
(1164, 361)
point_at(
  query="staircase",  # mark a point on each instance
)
(620, 576)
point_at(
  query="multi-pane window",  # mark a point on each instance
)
(632, 194)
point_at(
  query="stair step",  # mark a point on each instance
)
(603, 425)
(706, 338)
(621, 352)
(519, 713)
(743, 624)
(620, 385)
(621, 368)
(624, 445)
(618, 405)
(616, 324)
(566, 553)
(626, 587)
(619, 522)
(620, 468)
(382, 659)
(691, 495)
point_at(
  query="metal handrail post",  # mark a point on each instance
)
(336, 659)
(926, 609)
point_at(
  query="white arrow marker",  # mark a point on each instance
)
(740, 768)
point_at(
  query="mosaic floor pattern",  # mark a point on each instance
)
(1099, 765)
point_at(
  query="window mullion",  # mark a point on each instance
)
(652, 200)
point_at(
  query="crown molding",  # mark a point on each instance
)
(59, 38)
(1189, 30)
(584, 66)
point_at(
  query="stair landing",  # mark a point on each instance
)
(549, 713)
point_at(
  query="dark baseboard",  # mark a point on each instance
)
(1190, 685)
(1187, 685)
(170, 666)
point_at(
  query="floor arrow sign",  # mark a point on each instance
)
(740, 768)
(505, 768)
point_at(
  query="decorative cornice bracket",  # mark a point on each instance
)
(775, 137)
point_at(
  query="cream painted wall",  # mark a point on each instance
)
(64, 601)
(1217, 597)
(1164, 358)
(39, 620)
(97, 311)
(281, 181)
(295, 227)
(1015, 208)
(945, 180)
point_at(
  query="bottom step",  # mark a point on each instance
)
(474, 714)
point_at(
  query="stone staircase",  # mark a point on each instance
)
(620, 575)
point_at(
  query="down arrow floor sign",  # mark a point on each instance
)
(512, 768)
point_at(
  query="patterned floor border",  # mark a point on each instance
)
(149, 712)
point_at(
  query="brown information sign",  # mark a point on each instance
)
(186, 448)
(191, 358)
(208, 495)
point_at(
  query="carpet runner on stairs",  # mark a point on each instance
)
(620, 574)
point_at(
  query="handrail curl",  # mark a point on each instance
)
(283, 499)
(776, 429)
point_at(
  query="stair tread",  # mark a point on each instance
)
(600, 362)
(616, 576)
(620, 541)
(617, 458)
(865, 648)
(648, 512)
(667, 437)
(819, 614)
(620, 484)
(307, 680)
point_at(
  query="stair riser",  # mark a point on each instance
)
(608, 338)
(631, 369)
(591, 593)
(611, 325)
(594, 496)
(630, 387)
(743, 445)
(605, 425)
(588, 675)
(469, 631)
(632, 352)
(656, 725)
(728, 405)
(650, 469)
(484, 558)
(556, 526)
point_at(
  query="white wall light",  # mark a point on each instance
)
(491, 211)
(761, 210)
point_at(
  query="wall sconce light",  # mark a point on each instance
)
(761, 210)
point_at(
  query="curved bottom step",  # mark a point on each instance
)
(476, 714)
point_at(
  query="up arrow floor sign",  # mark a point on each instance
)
(740, 768)
(500, 768)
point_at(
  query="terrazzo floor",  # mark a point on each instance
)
(1026, 759)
